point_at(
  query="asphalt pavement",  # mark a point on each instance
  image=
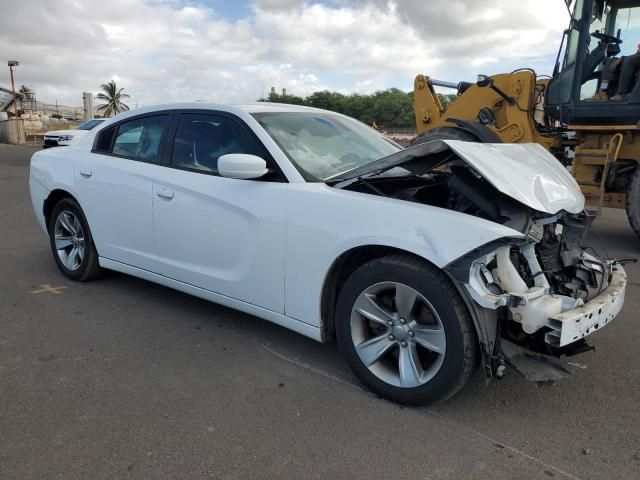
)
(120, 378)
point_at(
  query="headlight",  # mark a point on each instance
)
(65, 138)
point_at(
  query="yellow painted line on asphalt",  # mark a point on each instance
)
(46, 288)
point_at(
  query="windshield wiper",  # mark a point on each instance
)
(339, 181)
(371, 186)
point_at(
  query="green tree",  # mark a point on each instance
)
(333, 101)
(26, 93)
(391, 108)
(113, 96)
(284, 98)
(447, 99)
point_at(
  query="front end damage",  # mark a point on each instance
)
(534, 296)
(537, 299)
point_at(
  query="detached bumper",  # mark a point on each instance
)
(572, 325)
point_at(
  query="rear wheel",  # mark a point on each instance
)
(405, 331)
(72, 243)
(633, 202)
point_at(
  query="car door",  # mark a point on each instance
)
(115, 188)
(222, 234)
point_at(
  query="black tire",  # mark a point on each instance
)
(633, 202)
(88, 267)
(461, 355)
(444, 133)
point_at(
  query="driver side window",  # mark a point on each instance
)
(203, 138)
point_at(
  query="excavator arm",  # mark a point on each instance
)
(508, 105)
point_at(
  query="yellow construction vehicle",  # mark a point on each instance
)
(573, 113)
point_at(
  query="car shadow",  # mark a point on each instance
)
(317, 358)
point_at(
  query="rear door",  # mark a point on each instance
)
(221, 234)
(115, 188)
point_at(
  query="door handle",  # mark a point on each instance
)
(86, 172)
(165, 193)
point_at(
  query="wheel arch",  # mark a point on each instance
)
(50, 202)
(341, 268)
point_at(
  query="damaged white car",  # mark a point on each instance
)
(422, 262)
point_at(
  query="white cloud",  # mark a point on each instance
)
(465, 29)
(278, 4)
(360, 41)
(170, 50)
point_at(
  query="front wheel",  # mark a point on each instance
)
(405, 330)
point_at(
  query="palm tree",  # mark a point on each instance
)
(113, 96)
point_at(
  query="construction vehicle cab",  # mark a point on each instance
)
(595, 130)
(599, 32)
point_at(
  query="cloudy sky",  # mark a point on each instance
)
(235, 50)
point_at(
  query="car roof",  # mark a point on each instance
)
(274, 107)
(257, 107)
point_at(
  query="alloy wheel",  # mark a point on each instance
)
(397, 334)
(69, 240)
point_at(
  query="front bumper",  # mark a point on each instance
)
(572, 325)
(55, 142)
(563, 319)
(50, 142)
(39, 194)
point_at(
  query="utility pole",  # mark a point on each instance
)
(12, 64)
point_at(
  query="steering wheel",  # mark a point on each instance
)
(607, 38)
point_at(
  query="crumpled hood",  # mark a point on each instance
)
(526, 172)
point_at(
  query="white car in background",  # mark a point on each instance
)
(63, 138)
(420, 262)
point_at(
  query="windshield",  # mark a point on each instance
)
(89, 124)
(628, 23)
(324, 145)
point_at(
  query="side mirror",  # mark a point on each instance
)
(241, 165)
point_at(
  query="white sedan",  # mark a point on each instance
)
(420, 262)
(63, 138)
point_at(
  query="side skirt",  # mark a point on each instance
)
(277, 318)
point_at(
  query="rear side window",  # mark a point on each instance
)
(141, 139)
(105, 139)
